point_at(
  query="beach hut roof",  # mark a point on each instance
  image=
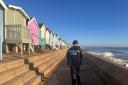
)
(19, 9)
(48, 30)
(33, 18)
(40, 25)
(56, 35)
(53, 33)
(2, 4)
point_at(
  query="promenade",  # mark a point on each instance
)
(62, 75)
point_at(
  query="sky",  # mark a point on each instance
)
(91, 22)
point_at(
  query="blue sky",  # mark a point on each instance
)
(91, 22)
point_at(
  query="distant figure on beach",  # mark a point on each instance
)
(74, 60)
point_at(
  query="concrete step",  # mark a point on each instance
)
(51, 66)
(38, 57)
(34, 81)
(11, 64)
(21, 79)
(12, 73)
(50, 69)
(47, 63)
(16, 72)
(43, 60)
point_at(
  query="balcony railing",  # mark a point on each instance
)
(17, 34)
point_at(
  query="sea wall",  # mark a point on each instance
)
(110, 72)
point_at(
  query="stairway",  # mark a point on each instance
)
(47, 63)
(15, 72)
(31, 70)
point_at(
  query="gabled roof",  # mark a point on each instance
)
(33, 18)
(3, 4)
(40, 25)
(56, 35)
(19, 9)
(52, 33)
(48, 30)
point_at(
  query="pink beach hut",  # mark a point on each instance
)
(33, 27)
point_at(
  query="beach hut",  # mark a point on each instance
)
(54, 42)
(16, 32)
(56, 38)
(65, 45)
(57, 41)
(47, 36)
(2, 8)
(42, 31)
(51, 39)
(61, 43)
(41, 38)
(34, 32)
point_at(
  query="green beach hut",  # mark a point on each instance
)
(41, 39)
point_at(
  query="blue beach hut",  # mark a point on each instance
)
(2, 8)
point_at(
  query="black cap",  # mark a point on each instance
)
(75, 42)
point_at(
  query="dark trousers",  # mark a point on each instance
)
(75, 74)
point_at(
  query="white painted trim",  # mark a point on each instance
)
(30, 20)
(3, 4)
(36, 22)
(20, 9)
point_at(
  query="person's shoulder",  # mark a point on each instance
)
(79, 48)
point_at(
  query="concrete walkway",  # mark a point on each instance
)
(62, 75)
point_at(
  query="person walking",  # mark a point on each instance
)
(74, 60)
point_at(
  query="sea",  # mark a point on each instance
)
(118, 54)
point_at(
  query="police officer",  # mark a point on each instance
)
(74, 60)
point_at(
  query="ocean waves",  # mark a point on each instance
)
(117, 55)
(110, 56)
